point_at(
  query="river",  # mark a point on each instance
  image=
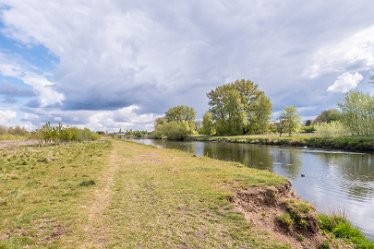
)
(333, 181)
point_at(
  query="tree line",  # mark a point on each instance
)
(240, 107)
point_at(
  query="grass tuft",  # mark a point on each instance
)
(87, 183)
(343, 229)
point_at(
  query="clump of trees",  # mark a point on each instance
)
(136, 133)
(356, 117)
(358, 113)
(237, 108)
(177, 124)
(59, 133)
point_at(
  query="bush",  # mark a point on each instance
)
(174, 131)
(57, 134)
(332, 129)
(308, 129)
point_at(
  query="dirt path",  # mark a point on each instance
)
(95, 233)
(15, 143)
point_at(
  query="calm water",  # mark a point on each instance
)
(334, 181)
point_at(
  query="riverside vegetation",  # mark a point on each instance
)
(116, 194)
(240, 112)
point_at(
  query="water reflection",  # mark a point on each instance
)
(333, 181)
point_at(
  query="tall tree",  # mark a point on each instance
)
(290, 119)
(238, 106)
(208, 124)
(182, 114)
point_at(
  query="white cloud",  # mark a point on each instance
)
(43, 87)
(355, 52)
(125, 118)
(345, 82)
(114, 54)
(47, 95)
(6, 116)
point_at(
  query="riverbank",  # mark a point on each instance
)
(107, 194)
(349, 143)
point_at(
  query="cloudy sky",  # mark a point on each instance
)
(121, 63)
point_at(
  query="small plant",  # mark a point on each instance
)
(300, 238)
(87, 183)
(325, 245)
(285, 220)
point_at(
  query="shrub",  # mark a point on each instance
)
(57, 134)
(332, 129)
(172, 130)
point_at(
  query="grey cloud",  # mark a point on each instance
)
(7, 89)
(153, 55)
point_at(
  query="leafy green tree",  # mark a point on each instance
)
(182, 114)
(177, 124)
(208, 124)
(238, 107)
(328, 116)
(290, 119)
(358, 113)
(258, 118)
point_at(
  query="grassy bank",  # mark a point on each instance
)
(350, 143)
(113, 194)
(42, 193)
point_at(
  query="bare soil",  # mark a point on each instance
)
(95, 232)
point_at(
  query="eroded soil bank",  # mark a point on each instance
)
(277, 210)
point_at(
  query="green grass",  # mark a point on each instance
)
(117, 194)
(354, 143)
(40, 194)
(169, 199)
(343, 229)
(158, 199)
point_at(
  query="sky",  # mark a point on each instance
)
(114, 64)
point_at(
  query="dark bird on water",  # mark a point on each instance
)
(302, 175)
